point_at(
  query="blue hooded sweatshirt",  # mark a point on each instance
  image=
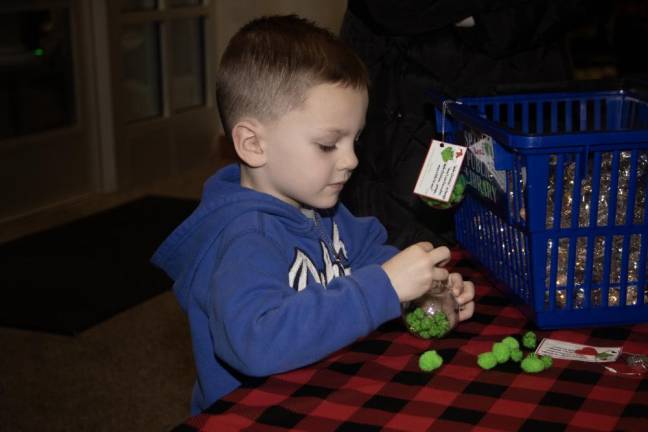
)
(268, 288)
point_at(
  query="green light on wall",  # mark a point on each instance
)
(39, 52)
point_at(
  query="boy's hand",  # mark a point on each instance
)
(464, 293)
(413, 271)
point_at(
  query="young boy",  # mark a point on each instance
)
(273, 273)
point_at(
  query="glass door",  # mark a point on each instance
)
(165, 119)
(47, 154)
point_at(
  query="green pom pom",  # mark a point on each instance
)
(529, 340)
(430, 360)
(532, 364)
(516, 354)
(440, 324)
(548, 361)
(427, 323)
(455, 197)
(415, 326)
(427, 326)
(486, 360)
(410, 319)
(501, 351)
(415, 321)
(511, 342)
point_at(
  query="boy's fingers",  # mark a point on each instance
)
(440, 256)
(439, 274)
(455, 282)
(426, 246)
(466, 311)
(465, 292)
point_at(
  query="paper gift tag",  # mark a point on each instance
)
(573, 351)
(440, 170)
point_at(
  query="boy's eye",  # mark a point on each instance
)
(327, 148)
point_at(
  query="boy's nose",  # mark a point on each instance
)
(349, 160)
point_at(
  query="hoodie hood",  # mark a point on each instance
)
(223, 200)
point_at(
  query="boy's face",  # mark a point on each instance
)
(310, 150)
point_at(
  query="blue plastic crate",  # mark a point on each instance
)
(556, 205)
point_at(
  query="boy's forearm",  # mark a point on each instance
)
(272, 332)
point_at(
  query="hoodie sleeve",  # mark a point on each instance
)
(262, 326)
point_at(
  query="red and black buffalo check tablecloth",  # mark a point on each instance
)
(376, 383)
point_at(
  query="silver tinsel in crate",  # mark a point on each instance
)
(626, 173)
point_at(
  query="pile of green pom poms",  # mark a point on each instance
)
(509, 349)
(427, 326)
(455, 198)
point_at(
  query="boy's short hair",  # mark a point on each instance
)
(270, 64)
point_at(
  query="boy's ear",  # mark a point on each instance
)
(247, 143)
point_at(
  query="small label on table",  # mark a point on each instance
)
(572, 351)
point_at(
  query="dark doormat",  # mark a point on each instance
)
(72, 277)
